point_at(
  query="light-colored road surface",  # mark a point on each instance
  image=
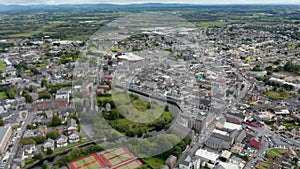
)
(21, 132)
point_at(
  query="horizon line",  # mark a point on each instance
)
(144, 3)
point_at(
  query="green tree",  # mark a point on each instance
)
(295, 160)
(49, 151)
(1, 121)
(94, 149)
(206, 166)
(44, 83)
(111, 115)
(167, 108)
(44, 95)
(53, 135)
(31, 89)
(44, 166)
(27, 141)
(11, 93)
(30, 126)
(40, 139)
(56, 121)
(27, 97)
(38, 156)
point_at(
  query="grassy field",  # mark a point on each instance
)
(249, 59)
(124, 123)
(140, 116)
(289, 124)
(211, 23)
(2, 66)
(262, 165)
(2, 95)
(154, 162)
(276, 95)
(276, 152)
(136, 109)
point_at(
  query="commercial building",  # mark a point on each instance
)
(255, 140)
(5, 134)
(209, 157)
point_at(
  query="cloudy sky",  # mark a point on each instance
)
(54, 2)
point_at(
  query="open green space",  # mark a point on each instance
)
(249, 59)
(276, 152)
(131, 165)
(290, 124)
(154, 162)
(211, 23)
(2, 95)
(2, 66)
(263, 165)
(276, 95)
(141, 116)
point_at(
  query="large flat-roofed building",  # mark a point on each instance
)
(5, 134)
(210, 158)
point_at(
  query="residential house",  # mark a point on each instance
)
(62, 141)
(63, 95)
(103, 90)
(29, 150)
(74, 137)
(42, 130)
(49, 143)
(72, 126)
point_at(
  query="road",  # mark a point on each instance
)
(207, 132)
(29, 118)
(266, 145)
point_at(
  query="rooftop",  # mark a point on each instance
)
(3, 131)
(207, 155)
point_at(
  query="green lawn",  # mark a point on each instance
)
(131, 165)
(2, 95)
(211, 23)
(276, 152)
(289, 124)
(249, 59)
(126, 125)
(263, 165)
(276, 95)
(154, 162)
(2, 66)
(141, 116)
(29, 161)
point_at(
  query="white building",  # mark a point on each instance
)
(190, 162)
(210, 158)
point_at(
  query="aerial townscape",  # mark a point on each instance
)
(149, 86)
